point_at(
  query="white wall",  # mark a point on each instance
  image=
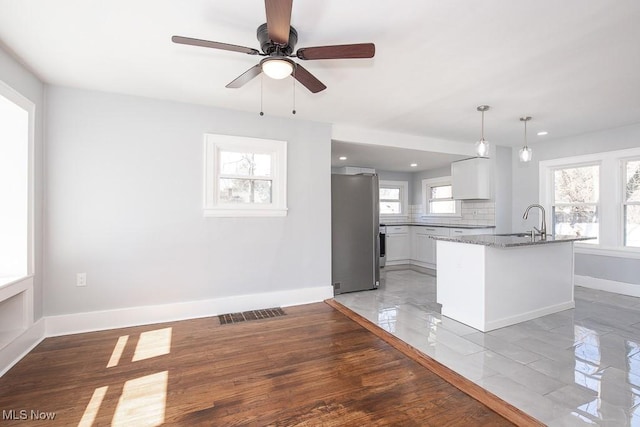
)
(28, 85)
(124, 205)
(503, 181)
(526, 192)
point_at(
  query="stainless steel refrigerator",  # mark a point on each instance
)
(355, 246)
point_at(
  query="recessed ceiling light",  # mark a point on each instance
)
(542, 133)
(342, 158)
(413, 165)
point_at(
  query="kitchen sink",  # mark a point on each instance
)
(515, 234)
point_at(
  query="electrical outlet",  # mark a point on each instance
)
(81, 279)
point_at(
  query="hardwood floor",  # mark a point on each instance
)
(313, 366)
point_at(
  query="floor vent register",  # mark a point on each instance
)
(266, 313)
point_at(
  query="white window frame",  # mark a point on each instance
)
(213, 207)
(17, 98)
(623, 197)
(597, 204)
(610, 215)
(403, 186)
(427, 184)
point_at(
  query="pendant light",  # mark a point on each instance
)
(525, 151)
(482, 146)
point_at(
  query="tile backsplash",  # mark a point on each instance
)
(473, 213)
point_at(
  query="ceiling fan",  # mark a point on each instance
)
(277, 40)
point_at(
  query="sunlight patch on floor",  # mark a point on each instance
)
(117, 351)
(153, 344)
(143, 401)
(93, 407)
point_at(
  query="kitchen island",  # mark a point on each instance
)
(491, 281)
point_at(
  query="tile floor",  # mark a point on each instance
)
(572, 368)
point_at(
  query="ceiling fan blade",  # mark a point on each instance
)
(308, 80)
(278, 20)
(214, 45)
(245, 77)
(361, 50)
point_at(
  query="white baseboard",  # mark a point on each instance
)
(607, 285)
(134, 316)
(21, 345)
(398, 262)
(423, 264)
(501, 323)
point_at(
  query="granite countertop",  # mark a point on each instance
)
(422, 224)
(508, 241)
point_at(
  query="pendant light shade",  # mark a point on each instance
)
(482, 146)
(525, 151)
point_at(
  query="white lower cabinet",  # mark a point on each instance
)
(398, 244)
(413, 244)
(423, 247)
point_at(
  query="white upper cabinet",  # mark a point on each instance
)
(471, 179)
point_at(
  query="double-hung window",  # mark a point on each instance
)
(244, 176)
(16, 185)
(393, 198)
(631, 202)
(575, 203)
(437, 196)
(595, 195)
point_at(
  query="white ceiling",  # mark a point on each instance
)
(388, 158)
(573, 64)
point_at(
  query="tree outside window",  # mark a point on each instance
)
(631, 204)
(390, 201)
(441, 201)
(576, 200)
(245, 177)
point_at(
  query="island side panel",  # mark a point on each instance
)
(527, 282)
(460, 282)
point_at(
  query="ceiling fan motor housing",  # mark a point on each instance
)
(270, 48)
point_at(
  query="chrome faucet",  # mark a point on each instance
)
(543, 226)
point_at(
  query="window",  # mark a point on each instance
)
(437, 197)
(575, 201)
(244, 176)
(631, 202)
(16, 185)
(393, 198)
(595, 195)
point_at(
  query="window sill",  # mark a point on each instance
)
(632, 253)
(7, 281)
(232, 213)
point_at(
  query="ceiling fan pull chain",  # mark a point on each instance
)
(294, 91)
(261, 80)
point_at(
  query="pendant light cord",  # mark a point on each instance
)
(482, 132)
(294, 90)
(261, 81)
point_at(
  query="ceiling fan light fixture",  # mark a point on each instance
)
(525, 152)
(277, 68)
(482, 146)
